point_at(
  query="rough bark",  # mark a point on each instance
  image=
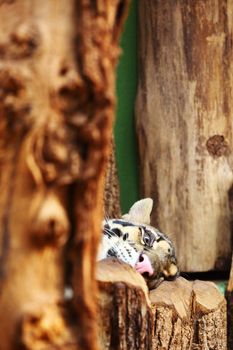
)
(125, 317)
(177, 315)
(112, 207)
(57, 61)
(188, 315)
(184, 125)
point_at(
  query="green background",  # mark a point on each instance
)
(126, 145)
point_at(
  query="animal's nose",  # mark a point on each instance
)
(144, 265)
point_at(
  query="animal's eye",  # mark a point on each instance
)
(146, 239)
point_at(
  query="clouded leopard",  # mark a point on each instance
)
(133, 240)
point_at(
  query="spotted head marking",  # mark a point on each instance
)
(155, 256)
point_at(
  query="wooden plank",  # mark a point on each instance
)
(184, 125)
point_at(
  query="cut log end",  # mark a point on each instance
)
(188, 315)
(179, 314)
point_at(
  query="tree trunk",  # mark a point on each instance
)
(57, 61)
(125, 317)
(184, 125)
(188, 315)
(112, 207)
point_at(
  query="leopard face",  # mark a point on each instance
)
(141, 245)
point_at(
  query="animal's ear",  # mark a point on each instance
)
(140, 211)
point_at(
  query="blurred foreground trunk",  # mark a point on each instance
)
(57, 62)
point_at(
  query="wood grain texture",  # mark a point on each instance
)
(57, 79)
(112, 208)
(177, 315)
(125, 316)
(184, 125)
(188, 315)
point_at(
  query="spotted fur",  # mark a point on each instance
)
(132, 237)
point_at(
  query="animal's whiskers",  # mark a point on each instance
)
(112, 233)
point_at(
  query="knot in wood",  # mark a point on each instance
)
(56, 154)
(46, 328)
(11, 82)
(217, 146)
(24, 41)
(15, 109)
(50, 224)
(64, 154)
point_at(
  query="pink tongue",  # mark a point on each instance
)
(144, 265)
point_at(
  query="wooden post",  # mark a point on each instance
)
(184, 125)
(57, 77)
